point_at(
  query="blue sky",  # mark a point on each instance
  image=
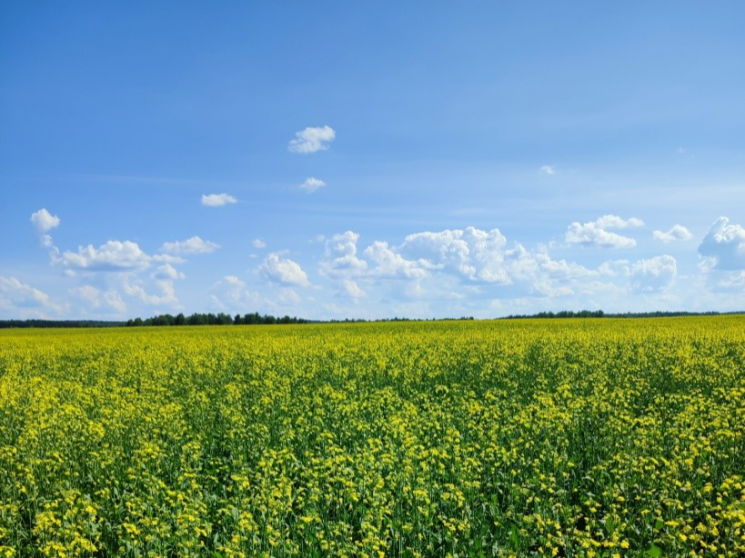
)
(371, 159)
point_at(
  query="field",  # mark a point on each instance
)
(598, 438)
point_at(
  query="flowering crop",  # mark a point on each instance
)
(578, 438)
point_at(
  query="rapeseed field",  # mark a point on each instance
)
(579, 438)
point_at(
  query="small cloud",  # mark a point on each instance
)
(193, 245)
(113, 256)
(312, 184)
(677, 232)
(548, 169)
(258, 243)
(312, 140)
(44, 221)
(283, 271)
(217, 200)
(594, 233)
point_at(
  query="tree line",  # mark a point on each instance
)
(253, 318)
(601, 314)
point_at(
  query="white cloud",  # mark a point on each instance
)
(17, 295)
(258, 243)
(44, 221)
(341, 256)
(594, 233)
(473, 253)
(112, 256)
(342, 265)
(217, 200)
(653, 274)
(193, 245)
(283, 271)
(677, 232)
(391, 264)
(548, 169)
(312, 184)
(725, 245)
(312, 140)
(167, 271)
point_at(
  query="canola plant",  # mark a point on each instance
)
(580, 438)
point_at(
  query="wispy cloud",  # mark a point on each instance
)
(548, 169)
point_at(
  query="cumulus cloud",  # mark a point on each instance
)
(112, 256)
(653, 274)
(341, 258)
(391, 264)
(312, 140)
(725, 245)
(677, 232)
(594, 233)
(474, 253)
(258, 243)
(193, 245)
(312, 184)
(435, 264)
(44, 221)
(217, 200)
(283, 271)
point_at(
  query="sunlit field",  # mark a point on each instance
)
(597, 438)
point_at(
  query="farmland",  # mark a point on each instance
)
(597, 438)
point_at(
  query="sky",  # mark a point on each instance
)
(333, 160)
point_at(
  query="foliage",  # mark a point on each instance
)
(579, 438)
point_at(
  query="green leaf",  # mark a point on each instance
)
(654, 551)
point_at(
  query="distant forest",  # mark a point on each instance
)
(601, 314)
(257, 319)
(215, 319)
